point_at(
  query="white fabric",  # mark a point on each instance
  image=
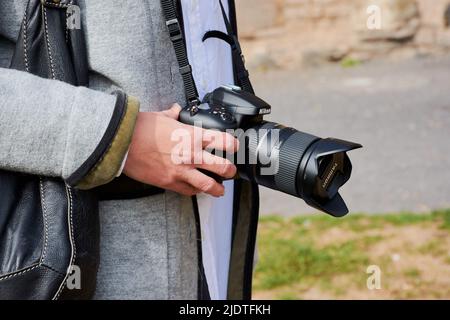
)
(122, 166)
(212, 66)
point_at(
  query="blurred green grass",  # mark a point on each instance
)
(310, 253)
(350, 62)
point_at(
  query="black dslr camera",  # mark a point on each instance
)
(275, 156)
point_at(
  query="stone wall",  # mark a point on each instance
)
(289, 33)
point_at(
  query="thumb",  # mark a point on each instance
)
(173, 112)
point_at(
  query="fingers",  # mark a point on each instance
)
(173, 112)
(185, 189)
(212, 139)
(218, 165)
(203, 183)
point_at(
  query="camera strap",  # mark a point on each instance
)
(242, 74)
(170, 11)
(172, 15)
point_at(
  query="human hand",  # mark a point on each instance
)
(150, 157)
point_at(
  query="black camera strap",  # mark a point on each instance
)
(172, 14)
(231, 38)
(170, 11)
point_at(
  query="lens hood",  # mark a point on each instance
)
(324, 168)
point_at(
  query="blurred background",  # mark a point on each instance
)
(376, 72)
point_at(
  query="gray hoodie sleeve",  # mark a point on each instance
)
(51, 128)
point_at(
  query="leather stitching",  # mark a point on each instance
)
(72, 243)
(71, 225)
(67, 27)
(57, 5)
(25, 40)
(52, 69)
(44, 214)
(18, 273)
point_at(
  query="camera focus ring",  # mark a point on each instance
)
(291, 153)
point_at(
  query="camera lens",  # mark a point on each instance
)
(299, 164)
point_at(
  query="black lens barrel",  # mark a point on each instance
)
(285, 147)
(291, 152)
(294, 158)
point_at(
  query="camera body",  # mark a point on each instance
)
(275, 156)
(227, 107)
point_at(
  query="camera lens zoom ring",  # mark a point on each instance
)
(291, 153)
